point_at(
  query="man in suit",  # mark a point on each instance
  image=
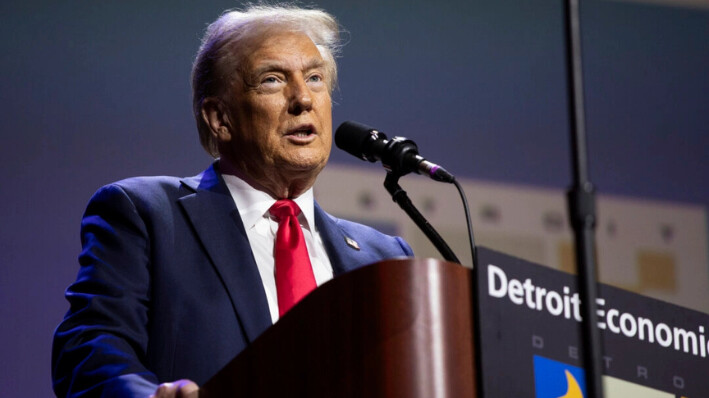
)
(178, 275)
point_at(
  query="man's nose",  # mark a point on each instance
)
(300, 97)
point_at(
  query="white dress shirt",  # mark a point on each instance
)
(261, 231)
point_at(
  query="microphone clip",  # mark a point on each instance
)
(398, 155)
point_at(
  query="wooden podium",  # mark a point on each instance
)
(398, 328)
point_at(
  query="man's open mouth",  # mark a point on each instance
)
(302, 131)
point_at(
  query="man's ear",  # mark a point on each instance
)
(214, 113)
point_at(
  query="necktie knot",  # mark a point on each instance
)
(283, 209)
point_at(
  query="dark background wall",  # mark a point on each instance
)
(97, 91)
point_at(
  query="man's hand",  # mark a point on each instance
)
(177, 389)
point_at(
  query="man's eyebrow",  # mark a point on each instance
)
(271, 66)
(315, 64)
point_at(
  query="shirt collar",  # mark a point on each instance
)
(253, 204)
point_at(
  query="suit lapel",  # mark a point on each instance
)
(213, 214)
(343, 256)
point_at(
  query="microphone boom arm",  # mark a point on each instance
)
(391, 183)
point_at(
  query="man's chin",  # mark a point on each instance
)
(305, 169)
(305, 162)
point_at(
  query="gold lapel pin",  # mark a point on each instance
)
(352, 243)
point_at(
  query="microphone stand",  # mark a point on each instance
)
(391, 183)
(581, 202)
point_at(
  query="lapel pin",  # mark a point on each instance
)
(352, 243)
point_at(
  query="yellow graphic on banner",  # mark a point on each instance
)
(572, 390)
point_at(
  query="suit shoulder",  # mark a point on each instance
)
(148, 183)
(141, 189)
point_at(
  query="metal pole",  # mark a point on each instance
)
(581, 201)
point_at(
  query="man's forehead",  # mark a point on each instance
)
(273, 43)
(283, 50)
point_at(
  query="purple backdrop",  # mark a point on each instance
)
(94, 92)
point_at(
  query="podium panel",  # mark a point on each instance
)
(399, 328)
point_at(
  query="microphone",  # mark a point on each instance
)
(399, 155)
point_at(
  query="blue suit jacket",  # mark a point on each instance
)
(168, 287)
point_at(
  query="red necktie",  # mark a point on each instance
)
(294, 274)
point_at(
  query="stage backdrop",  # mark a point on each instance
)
(97, 91)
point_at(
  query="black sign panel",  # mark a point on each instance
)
(529, 325)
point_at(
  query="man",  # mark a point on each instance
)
(177, 275)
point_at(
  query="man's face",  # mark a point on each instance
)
(279, 109)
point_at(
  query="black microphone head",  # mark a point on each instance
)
(355, 139)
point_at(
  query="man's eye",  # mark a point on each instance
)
(315, 78)
(269, 80)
